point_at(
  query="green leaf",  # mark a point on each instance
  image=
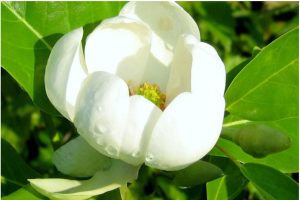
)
(228, 186)
(29, 31)
(26, 192)
(271, 183)
(196, 174)
(286, 161)
(267, 88)
(14, 171)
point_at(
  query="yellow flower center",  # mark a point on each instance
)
(151, 92)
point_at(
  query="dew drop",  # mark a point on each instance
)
(99, 129)
(111, 150)
(100, 140)
(99, 108)
(149, 158)
(136, 154)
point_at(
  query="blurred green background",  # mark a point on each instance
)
(235, 29)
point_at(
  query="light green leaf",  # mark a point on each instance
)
(228, 186)
(267, 88)
(26, 192)
(196, 174)
(29, 31)
(14, 171)
(271, 183)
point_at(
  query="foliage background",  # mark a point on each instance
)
(236, 29)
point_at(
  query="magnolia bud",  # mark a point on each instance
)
(258, 140)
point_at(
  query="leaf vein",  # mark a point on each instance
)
(260, 84)
(31, 28)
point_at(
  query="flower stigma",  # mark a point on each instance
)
(151, 92)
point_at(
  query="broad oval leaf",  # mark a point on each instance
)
(271, 183)
(29, 31)
(228, 186)
(267, 88)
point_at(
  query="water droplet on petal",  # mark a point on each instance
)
(136, 154)
(99, 108)
(111, 150)
(149, 158)
(100, 129)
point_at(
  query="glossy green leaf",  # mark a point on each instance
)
(27, 192)
(285, 161)
(228, 186)
(31, 30)
(14, 170)
(271, 183)
(267, 88)
(196, 174)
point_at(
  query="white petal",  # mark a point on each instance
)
(105, 180)
(167, 19)
(65, 72)
(208, 70)
(101, 112)
(77, 158)
(196, 68)
(119, 45)
(187, 130)
(142, 117)
(180, 72)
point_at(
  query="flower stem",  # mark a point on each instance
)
(226, 153)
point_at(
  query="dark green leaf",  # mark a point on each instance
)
(196, 174)
(31, 30)
(267, 88)
(14, 170)
(271, 183)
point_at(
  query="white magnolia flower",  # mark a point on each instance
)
(146, 90)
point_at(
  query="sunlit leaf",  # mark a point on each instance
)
(267, 88)
(228, 186)
(31, 30)
(271, 183)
